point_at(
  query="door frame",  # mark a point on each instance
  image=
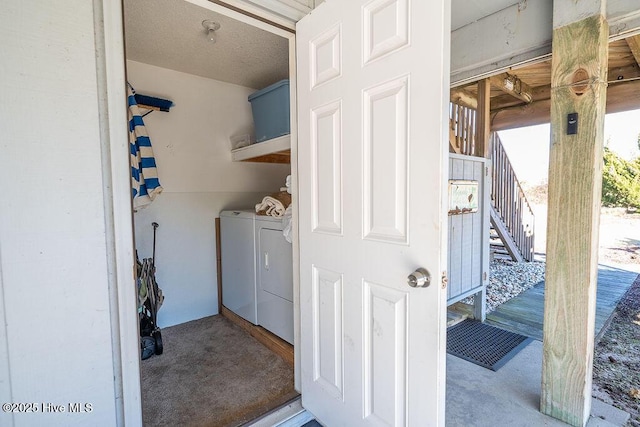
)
(110, 67)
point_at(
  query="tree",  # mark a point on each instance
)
(620, 180)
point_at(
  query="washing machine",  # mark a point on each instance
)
(257, 271)
(238, 253)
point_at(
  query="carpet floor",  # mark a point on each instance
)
(212, 373)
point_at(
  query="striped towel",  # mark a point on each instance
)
(145, 185)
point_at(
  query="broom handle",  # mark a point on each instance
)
(155, 227)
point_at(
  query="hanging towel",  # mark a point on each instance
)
(145, 185)
(287, 220)
(288, 184)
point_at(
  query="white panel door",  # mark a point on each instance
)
(373, 79)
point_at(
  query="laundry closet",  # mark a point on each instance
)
(209, 76)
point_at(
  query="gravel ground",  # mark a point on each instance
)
(507, 279)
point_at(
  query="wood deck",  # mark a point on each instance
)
(524, 313)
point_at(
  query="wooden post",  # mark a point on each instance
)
(219, 263)
(578, 81)
(483, 119)
(482, 149)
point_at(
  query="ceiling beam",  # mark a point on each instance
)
(518, 34)
(501, 102)
(634, 45)
(512, 85)
(464, 97)
(623, 96)
(541, 93)
(511, 36)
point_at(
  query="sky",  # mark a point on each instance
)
(528, 148)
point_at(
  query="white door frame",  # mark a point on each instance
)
(112, 95)
(116, 172)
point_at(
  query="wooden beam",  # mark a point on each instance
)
(518, 34)
(623, 96)
(634, 45)
(219, 263)
(501, 102)
(512, 85)
(483, 119)
(579, 85)
(617, 75)
(463, 97)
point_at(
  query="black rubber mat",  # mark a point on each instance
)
(484, 345)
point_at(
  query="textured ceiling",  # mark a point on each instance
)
(169, 34)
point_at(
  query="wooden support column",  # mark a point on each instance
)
(578, 81)
(483, 139)
(483, 119)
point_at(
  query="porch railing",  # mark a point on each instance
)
(462, 129)
(511, 210)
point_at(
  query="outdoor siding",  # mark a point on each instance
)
(466, 232)
(55, 311)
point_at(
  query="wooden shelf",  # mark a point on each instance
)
(276, 150)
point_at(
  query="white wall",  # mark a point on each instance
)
(192, 149)
(56, 342)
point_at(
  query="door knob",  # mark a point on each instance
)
(419, 278)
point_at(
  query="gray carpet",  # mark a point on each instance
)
(212, 373)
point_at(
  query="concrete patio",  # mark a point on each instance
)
(478, 397)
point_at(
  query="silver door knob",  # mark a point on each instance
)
(419, 278)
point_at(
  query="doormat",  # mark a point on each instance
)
(484, 345)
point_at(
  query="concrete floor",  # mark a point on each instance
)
(478, 397)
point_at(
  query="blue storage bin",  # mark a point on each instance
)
(270, 107)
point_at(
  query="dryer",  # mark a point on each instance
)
(274, 264)
(257, 271)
